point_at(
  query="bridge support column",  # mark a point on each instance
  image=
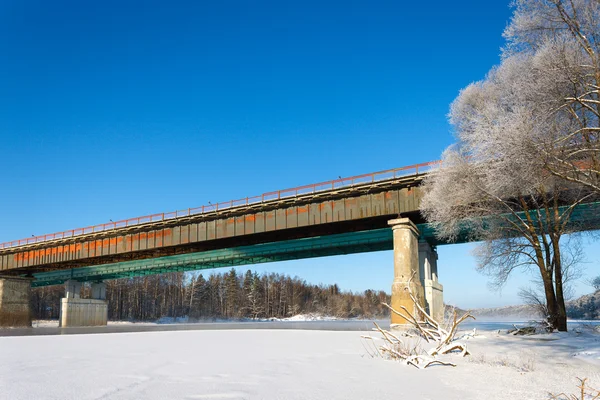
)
(15, 310)
(99, 291)
(75, 311)
(434, 292)
(72, 289)
(406, 265)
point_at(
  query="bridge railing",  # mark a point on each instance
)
(266, 197)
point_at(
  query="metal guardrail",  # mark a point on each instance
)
(266, 197)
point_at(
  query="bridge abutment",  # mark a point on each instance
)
(406, 270)
(434, 291)
(15, 310)
(75, 311)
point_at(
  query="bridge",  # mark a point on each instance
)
(371, 212)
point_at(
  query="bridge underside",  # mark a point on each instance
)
(320, 246)
(82, 312)
(584, 217)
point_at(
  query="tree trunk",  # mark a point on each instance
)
(551, 304)
(561, 310)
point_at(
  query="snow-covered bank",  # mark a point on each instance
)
(310, 317)
(53, 323)
(187, 320)
(284, 364)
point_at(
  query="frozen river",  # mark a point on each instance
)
(50, 328)
(344, 325)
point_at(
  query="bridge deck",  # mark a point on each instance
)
(232, 205)
(345, 205)
(310, 221)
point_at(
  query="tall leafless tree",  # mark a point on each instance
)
(506, 182)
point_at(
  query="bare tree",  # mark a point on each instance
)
(519, 212)
(527, 148)
(534, 298)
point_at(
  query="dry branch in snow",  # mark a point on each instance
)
(585, 393)
(428, 329)
(527, 330)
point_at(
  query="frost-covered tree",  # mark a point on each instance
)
(527, 148)
(556, 45)
(501, 195)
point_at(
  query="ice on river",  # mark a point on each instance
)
(284, 364)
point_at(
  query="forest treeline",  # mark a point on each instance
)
(219, 295)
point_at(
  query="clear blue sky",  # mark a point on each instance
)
(110, 110)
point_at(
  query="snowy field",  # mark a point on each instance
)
(284, 364)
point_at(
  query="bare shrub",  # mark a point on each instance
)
(427, 329)
(584, 393)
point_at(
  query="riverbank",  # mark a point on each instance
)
(285, 364)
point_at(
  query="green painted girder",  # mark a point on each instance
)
(320, 246)
(584, 217)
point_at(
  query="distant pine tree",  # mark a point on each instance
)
(220, 295)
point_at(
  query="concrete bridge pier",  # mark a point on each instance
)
(75, 311)
(434, 291)
(15, 310)
(406, 266)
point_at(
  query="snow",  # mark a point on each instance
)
(172, 320)
(187, 320)
(53, 323)
(295, 318)
(285, 364)
(307, 317)
(45, 323)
